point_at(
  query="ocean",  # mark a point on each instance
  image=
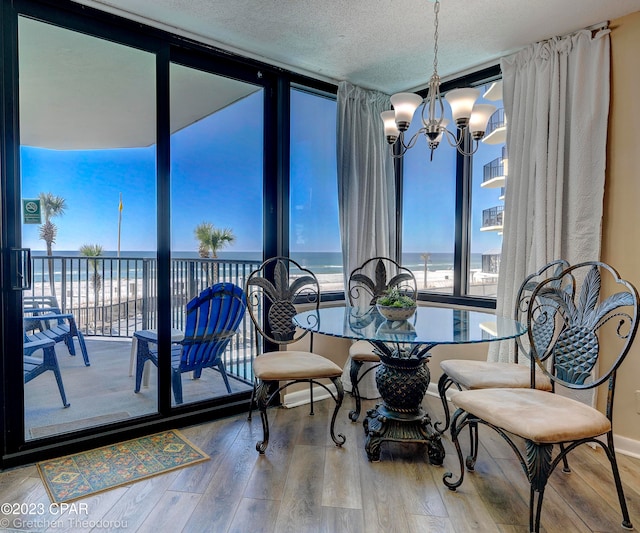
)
(318, 262)
(331, 262)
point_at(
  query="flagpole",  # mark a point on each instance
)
(119, 229)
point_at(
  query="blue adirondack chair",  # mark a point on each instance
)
(45, 320)
(212, 319)
(34, 366)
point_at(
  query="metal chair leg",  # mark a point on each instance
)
(340, 439)
(611, 454)
(253, 398)
(355, 391)
(262, 400)
(444, 383)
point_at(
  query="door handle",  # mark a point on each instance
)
(21, 269)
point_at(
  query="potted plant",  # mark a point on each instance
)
(394, 305)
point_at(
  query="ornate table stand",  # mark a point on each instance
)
(402, 380)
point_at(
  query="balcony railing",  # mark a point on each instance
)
(496, 121)
(492, 217)
(492, 170)
(113, 297)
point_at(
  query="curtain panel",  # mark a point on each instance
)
(366, 191)
(366, 182)
(556, 100)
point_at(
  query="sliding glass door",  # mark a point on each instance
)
(216, 217)
(138, 170)
(88, 169)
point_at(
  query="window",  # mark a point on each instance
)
(216, 199)
(88, 153)
(146, 136)
(489, 170)
(429, 214)
(314, 238)
(452, 209)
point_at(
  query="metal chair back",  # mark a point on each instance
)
(375, 276)
(273, 291)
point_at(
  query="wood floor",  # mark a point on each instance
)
(304, 483)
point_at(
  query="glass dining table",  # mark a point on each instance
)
(403, 377)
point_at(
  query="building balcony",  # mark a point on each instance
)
(495, 172)
(494, 92)
(496, 132)
(492, 219)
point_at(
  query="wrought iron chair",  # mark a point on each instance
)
(34, 366)
(52, 324)
(571, 310)
(212, 319)
(467, 374)
(367, 283)
(273, 290)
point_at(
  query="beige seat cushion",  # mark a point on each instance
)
(286, 365)
(363, 351)
(542, 417)
(488, 375)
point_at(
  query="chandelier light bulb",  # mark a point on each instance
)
(390, 129)
(479, 119)
(461, 102)
(405, 105)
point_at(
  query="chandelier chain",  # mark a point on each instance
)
(470, 118)
(436, 10)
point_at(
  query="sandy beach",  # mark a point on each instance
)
(80, 293)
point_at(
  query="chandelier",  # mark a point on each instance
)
(468, 116)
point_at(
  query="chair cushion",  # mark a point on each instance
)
(542, 417)
(363, 351)
(288, 365)
(489, 375)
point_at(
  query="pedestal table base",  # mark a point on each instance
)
(383, 424)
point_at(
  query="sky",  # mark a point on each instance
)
(216, 177)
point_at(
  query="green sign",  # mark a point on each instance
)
(31, 211)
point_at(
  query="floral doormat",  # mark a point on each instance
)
(83, 474)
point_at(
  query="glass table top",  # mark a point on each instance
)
(428, 325)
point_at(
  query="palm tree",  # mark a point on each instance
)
(93, 250)
(212, 239)
(203, 233)
(51, 206)
(219, 239)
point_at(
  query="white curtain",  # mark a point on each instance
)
(556, 100)
(366, 190)
(366, 183)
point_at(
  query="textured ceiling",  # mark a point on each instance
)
(379, 44)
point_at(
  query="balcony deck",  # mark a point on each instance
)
(103, 392)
